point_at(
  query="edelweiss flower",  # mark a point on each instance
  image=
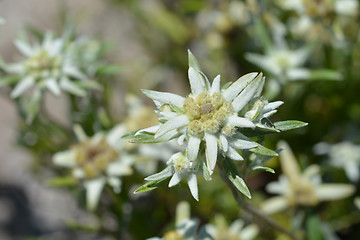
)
(298, 188)
(186, 228)
(236, 231)
(209, 115)
(48, 65)
(345, 155)
(96, 161)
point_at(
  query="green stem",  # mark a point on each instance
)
(253, 211)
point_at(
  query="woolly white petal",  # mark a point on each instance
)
(272, 105)
(181, 140)
(224, 143)
(71, 87)
(248, 93)
(211, 151)
(249, 232)
(326, 192)
(215, 87)
(115, 183)
(274, 204)
(53, 86)
(114, 136)
(152, 129)
(233, 154)
(22, 86)
(193, 148)
(172, 124)
(196, 81)
(240, 122)
(243, 143)
(231, 92)
(65, 159)
(24, 48)
(165, 98)
(79, 133)
(192, 182)
(262, 61)
(176, 178)
(352, 170)
(288, 161)
(74, 72)
(118, 168)
(93, 192)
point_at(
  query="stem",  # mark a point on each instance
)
(253, 211)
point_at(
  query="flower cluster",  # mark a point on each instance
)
(55, 65)
(301, 189)
(211, 119)
(96, 161)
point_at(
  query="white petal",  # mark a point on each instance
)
(152, 129)
(298, 74)
(272, 105)
(79, 133)
(22, 86)
(181, 140)
(118, 168)
(93, 192)
(165, 98)
(249, 232)
(71, 87)
(268, 114)
(165, 173)
(224, 143)
(211, 151)
(248, 93)
(115, 183)
(114, 136)
(65, 159)
(234, 155)
(288, 161)
(262, 61)
(55, 47)
(176, 178)
(275, 204)
(193, 148)
(327, 192)
(196, 81)
(172, 124)
(24, 48)
(352, 170)
(239, 143)
(236, 226)
(215, 87)
(279, 187)
(192, 182)
(231, 92)
(74, 72)
(53, 86)
(240, 122)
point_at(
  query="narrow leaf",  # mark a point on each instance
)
(62, 182)
(264, 151)
(267, 169)
(289, 125)
(150, 186)
(193, 62)
(234, 176)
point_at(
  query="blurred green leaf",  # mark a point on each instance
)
(289, 125)
(313, 228)
(66, 181)
(149, 186)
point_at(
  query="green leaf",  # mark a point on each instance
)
(109, 70)
(193, 62)
(4, 81)
(146, 137)
(313, 228)
(234, 176)
(264, 151)
(165, 173)
(67, 181)
(267, 169)
(130, 134)
(149, 186)
(324, 75)
(289, 125)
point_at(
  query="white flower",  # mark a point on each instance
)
(179, 166)
(96, 161)
(2, 21)
(186, 228)
(296, 188)
(344, 155)
(347, 7)
(208, 115)
(236, 231)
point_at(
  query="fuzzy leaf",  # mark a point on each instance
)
(149, 186)
(193, 62)
(289, 125)
(267, 169)
(234, 176)
(146, 137)
(62, 181)
(165, 173)
(264, 151)
(130, 134)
